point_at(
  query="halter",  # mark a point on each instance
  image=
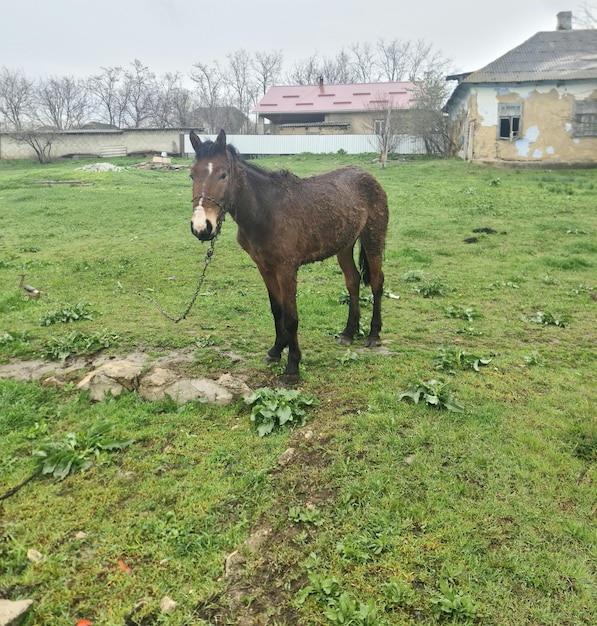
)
(224, 207)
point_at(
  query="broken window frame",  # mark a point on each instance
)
(509, 125)
(584, 118)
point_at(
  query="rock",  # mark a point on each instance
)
(123, 372)
(13, 613)
(235, 385)
(98, 385)
(286, 457)
(52, 381)
(152, 384)
(167, 605)
(34, 556)
(234, 563)
(188, 389)
(113, 378)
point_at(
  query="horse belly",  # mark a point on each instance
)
(326, 237)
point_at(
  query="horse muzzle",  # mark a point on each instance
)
(204, 234)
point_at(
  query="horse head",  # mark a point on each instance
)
(211, 176)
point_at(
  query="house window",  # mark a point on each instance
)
(379, 127)
(510, 120)
(585, 118)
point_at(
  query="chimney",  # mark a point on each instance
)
(564, 20)
(320, 81)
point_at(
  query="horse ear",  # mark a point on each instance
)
(195, 141)
(221, 140)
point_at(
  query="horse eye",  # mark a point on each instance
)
(223, 176)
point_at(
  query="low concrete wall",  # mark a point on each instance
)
(101, 143)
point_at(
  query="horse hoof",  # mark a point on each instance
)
(344, 340)
(289, 380)
(373, 342)
(268, 359)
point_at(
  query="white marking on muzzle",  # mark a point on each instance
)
(199, 220)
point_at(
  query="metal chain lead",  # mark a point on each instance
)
(224, 208)
(208, 257)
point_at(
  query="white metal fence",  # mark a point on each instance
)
(315, 144)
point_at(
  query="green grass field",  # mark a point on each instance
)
(389, 512)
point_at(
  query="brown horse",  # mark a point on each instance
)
(285, 222)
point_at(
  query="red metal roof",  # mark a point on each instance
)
(327, 98)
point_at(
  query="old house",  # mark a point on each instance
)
(535, 104)
(352, 109)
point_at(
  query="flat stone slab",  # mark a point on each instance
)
(113, 378)
(187, 389)
(12, 612)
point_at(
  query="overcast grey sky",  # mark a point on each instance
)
(79, 37)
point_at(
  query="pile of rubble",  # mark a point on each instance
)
(99, 167)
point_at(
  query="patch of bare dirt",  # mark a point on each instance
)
(261, 586)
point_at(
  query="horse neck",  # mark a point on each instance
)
(246, 207)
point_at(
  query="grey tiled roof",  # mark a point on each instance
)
(552, 55)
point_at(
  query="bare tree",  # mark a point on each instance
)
(267, 67)
(16, 99)
(137, 95)
(306, 72)
(392, 59)
(104, 89)
(172, 102)
(428, 120)
(62, 102)
(209, 81)
(363, 63)
(423, 60)
(338, 69)
(385, 124)
(40, 141)
(240, 83)
(182, 103)
(587, 15)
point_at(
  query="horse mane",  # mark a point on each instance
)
(209, 149)
(276, 176)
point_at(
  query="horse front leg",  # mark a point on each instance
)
(352, 280)
(281, 287)
(275, 352)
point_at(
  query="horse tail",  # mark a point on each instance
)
(364, 267)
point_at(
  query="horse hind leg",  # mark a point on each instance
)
(352, 279)
(373, 274)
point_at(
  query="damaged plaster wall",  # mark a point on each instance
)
(546, 128)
